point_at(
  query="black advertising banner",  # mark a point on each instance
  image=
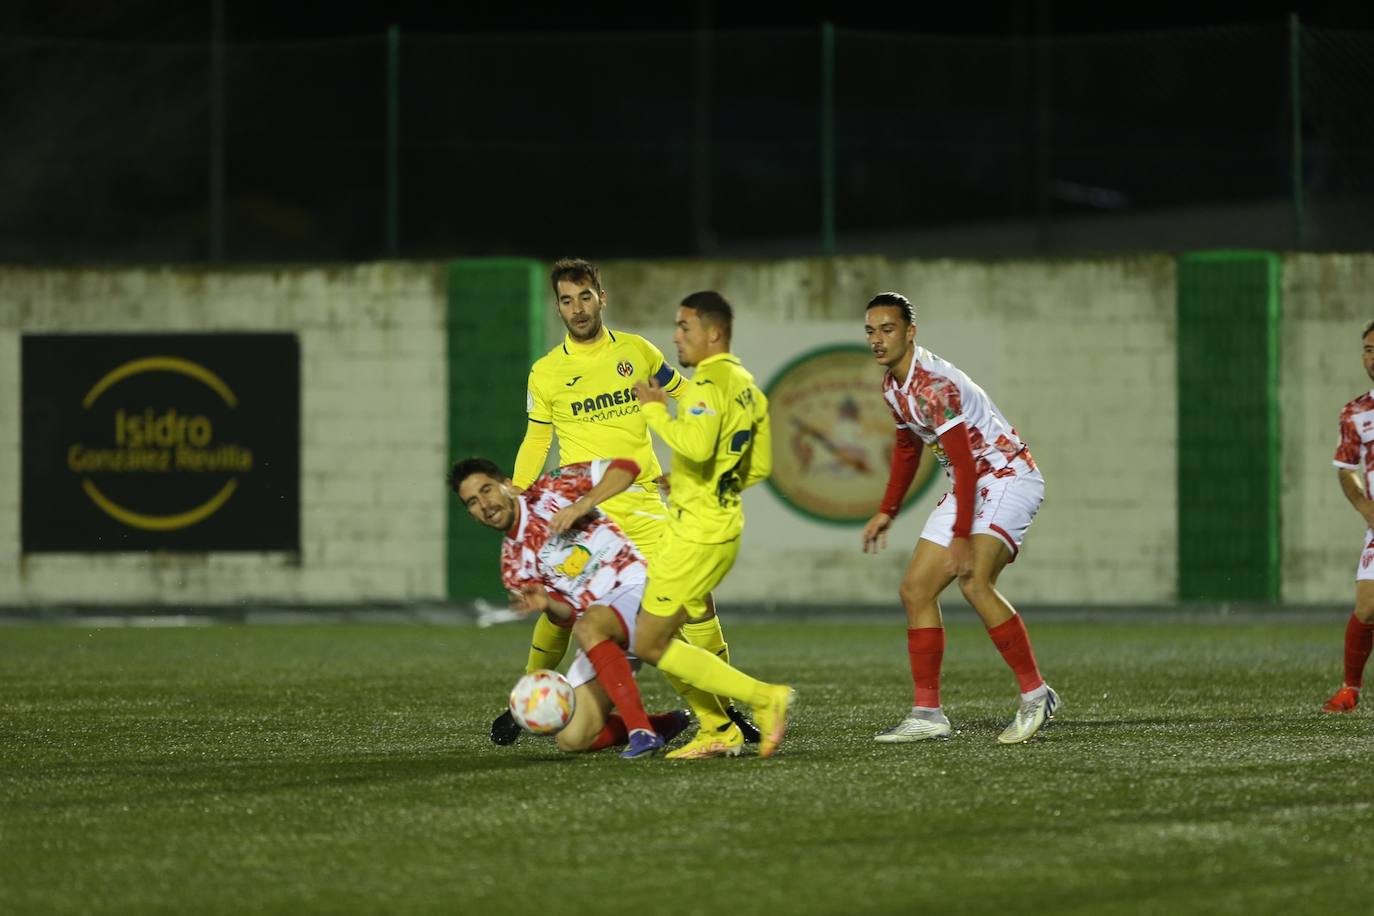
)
(176, 442)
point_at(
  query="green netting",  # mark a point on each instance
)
(1228, 426)
(495, 322)
(631, 144)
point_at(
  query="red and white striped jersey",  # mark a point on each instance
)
(935, 396)
(1355, 449)
(584, 564)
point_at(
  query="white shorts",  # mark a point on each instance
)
(1003, 507)
(624, 600)
(1365, 571)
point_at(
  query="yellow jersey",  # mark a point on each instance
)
(585, 394)
(721, 445)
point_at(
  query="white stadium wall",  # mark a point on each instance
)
(1327, 302)
(373, 430)
(1080, 355)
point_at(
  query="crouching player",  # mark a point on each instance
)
(563, 557)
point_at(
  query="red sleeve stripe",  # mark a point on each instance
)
(626, 464)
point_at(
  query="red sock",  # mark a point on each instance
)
(613, 732)
(614, 675)
(1013, 642)
(925, 647)
(1359, 638)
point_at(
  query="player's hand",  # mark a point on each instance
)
(569, 516)
(650, 393)
(959, 558)
(531, 599)
(875, 532)
(504, 731)
(665, 484)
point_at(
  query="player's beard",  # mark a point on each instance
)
(593, 330)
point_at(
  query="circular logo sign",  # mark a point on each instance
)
(833, 436)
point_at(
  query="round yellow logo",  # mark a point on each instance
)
(833, 436)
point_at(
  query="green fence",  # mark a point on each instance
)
(762, 142)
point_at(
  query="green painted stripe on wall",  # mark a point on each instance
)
(1229, 528)
(495, 331)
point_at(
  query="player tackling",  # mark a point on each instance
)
(563, 557)
(974, 531)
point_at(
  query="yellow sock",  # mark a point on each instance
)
(706, 634)
(548, 644)
(702, 669)
(710, 715)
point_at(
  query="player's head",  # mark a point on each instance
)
(485, 491)
(1368, 339)
(579, 295)
(890, 326)
(705, 322)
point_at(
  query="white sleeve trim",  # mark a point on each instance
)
(948, 425)
(598, 471)
(1341, 464)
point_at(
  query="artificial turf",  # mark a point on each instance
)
(340, 769)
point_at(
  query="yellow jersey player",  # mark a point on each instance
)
(583, 390)
(721, 445)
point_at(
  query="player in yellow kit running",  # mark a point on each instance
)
(721, 445)
(583, 390)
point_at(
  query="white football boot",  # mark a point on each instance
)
(919, 725)
(1032, 716)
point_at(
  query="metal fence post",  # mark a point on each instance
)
(393, 130)
(828, 139)
(1295, 98)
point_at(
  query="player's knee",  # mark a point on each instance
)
(648, 647)
(572, 741)
(916, 593)
(1364, 611)
(586, 632)
(976, 585)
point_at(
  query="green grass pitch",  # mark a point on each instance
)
(342, 769)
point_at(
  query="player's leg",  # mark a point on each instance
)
(601, 634)
(705, 633)
(683, 575)
(924, 580)
(590, 711)
(1002, 516)
(647, 529)
(1359, 638)
(548, 645)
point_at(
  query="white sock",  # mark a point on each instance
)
(1037, 693)
(927, 712)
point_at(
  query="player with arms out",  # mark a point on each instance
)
(721, 445)
(1355, 468)
(974, 531)
(583, 390)
(564, 558)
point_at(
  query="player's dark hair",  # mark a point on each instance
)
(894, 300)
(712, 308)
(464, 469)
(575, 270)
(1367, 328)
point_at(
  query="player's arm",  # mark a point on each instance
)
(616, 479)
(534, 598)
(1352, 485)
(693, 433)
(954, 439)
(906, 458)
(663, 374)
(760, 461)
(534, 448)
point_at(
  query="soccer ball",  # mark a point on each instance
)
(542, 702)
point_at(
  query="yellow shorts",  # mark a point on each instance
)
(684, 572)
(643, 518)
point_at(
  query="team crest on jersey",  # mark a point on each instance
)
(625, 368)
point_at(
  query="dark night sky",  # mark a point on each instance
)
(260, 20)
